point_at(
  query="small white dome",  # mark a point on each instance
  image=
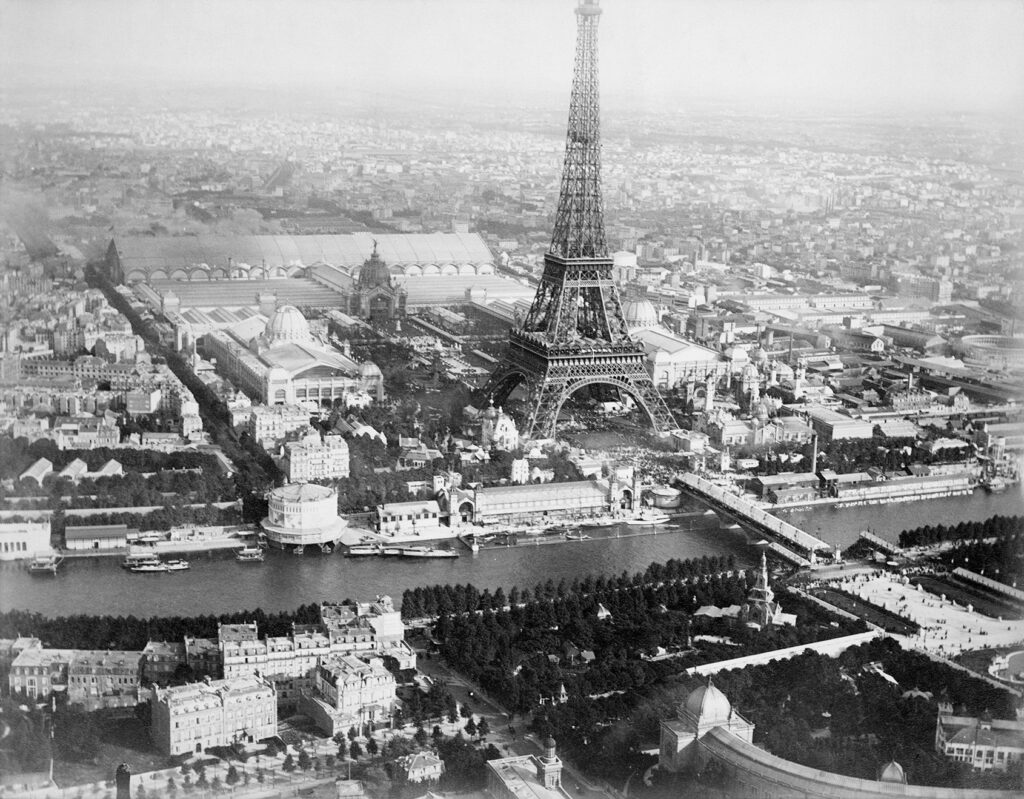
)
(287, 324)
(893, 772)
(640, 314)
(624, 258)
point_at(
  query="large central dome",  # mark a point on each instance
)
(287, 324)
(708, 705)
(640, 314)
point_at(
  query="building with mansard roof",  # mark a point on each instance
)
(188, 719)
(349, 691)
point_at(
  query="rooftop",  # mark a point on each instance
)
(519, 775)
(343, 250)
(301, 492)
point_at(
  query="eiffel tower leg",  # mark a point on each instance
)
(645, 391)
(545, 402)
(501, 383)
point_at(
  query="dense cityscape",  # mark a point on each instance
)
(435, 448)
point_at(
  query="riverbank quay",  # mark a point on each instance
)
(84, 513)
(497, 539)
(174, 546)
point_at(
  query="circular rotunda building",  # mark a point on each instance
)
(301, 515)
(995, 353)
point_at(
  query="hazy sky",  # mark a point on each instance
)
(956, 54)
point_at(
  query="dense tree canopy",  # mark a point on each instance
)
(998, 559)
(994, 526)
(132, 632)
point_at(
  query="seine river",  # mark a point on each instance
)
(217, 584)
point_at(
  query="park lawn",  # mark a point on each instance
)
(888, 621)
(964, 596)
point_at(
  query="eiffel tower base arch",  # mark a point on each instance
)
(548, 383)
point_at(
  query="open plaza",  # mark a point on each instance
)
(947, 627)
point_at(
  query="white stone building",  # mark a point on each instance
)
(411, 520)
(348, 691)
(24, 540)
(311, 458)
(366, 629)
(271, 425)
(187, 719)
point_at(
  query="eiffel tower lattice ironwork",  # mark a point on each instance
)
(575, 334)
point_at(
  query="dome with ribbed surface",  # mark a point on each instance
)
(708, 705)
(287, 324)
(374, 272)
(892, 772)
(640, 314)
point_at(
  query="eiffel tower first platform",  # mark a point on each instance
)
(574, 334)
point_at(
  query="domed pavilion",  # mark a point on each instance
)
(706, 708)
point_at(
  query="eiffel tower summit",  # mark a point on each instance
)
(575, 335)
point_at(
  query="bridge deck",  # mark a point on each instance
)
(881, 544)
(788, 555)
(804, 542)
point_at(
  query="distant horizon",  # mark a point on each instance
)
(866, 56)
(553, 102)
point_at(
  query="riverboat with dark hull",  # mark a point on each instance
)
(427, 552)
(133, 560)
(45, 564)
(363, 551)
(250, 555)
(149, 568)
(647, 518)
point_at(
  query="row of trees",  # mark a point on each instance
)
(851, 455)
(17, 454)
(132, 632)
(117, 491)
(438, 600)
(993, 527)
(163, 518)
(1000, 559)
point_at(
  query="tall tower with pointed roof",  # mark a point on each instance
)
(761, 608)
(575, 334)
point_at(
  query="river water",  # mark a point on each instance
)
(218, 584)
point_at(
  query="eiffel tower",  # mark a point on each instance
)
(574, 334)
